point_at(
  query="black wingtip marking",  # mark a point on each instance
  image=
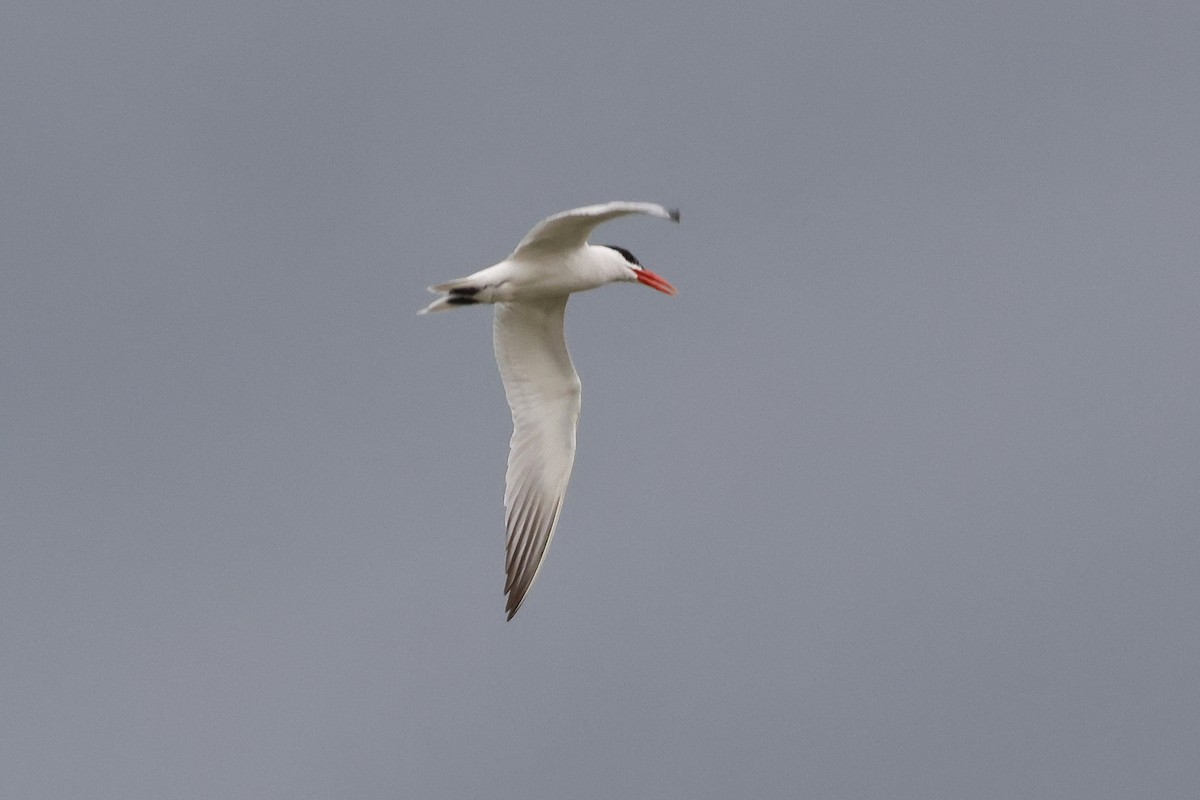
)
(673, 214)
(465, 291)
(461, 300)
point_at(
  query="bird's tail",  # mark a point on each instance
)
(453, 295)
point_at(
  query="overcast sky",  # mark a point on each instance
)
(899, 498)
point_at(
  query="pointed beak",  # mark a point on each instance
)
(654, 281)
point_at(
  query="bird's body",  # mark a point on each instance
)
(530, 289)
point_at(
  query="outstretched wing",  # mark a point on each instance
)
(567, 230)
(543, 394)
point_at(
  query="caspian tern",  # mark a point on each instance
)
(530, 289)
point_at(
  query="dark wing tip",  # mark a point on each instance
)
(673, 213)
(517, 590)
(513, 604)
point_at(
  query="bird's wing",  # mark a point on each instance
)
(567, 230)
(543, 393)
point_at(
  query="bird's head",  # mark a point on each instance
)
(630, 269)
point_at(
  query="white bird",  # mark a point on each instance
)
(530, 289)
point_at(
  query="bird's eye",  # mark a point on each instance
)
(628, 256)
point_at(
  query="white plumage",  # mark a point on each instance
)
(530, 289)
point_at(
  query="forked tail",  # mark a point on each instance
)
(454, 294)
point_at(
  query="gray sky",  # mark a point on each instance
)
(898, 499)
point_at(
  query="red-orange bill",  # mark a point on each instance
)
(655, 281)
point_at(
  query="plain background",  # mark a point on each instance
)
(899, 498)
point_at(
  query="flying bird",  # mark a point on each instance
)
(530, 289)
